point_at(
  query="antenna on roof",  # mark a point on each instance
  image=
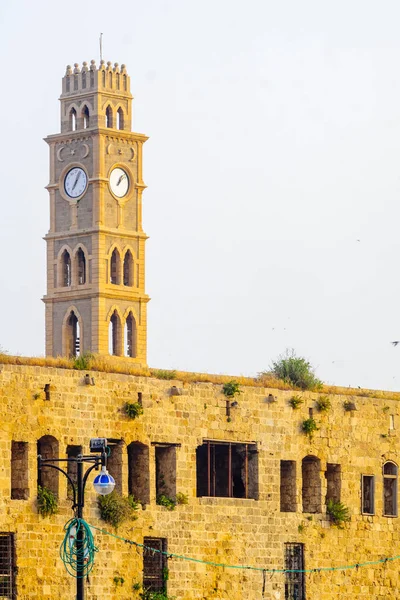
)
(101, 46)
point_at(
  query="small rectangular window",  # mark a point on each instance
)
(7, 566)
(166, 471)
(19, 471)
(294, 580)
(367, 494)
(155, 573)
(114, 464)
(333, 482)
(288, 486)
(72, 469)
(227, 470)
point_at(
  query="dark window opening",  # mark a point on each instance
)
(128, 268)
(311, 489)
(390, 489)
(288, 486)
(83, 79)
(155, 564)
(294, 581)
(72, 335)
(19, 471)
(333, 477)
(72, 469)
(117, 80)
(120, 119)
(227, 470)
(125, 82)
(66, 268)
(130, 336)
(81, 264)
(114, 464)
(72, 119)
(367, 494)
(47, 447)
(110, 79)
(138, 472)
(114, 333)
(166, 471)
(7, 566)
(85, 117)
(114, 267)
(109, 117)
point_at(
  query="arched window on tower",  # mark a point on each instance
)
(85, 117)
(120, 119)
(81, 266)
(67, 84)
(128, 268)
(72, 119)
(103, 78)
(117, 80)
(110, 79)
(72, 333)
(83, 79)
(130, 336)
(114, 334)
(66, 269)
(109, 117)
(390, 489)
(114, 267)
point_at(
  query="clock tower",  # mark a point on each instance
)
(96, 300)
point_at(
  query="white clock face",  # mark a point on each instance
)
(119, 182)
(75, 182)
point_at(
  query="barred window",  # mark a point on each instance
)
(294, 580)
(7, 566)
(154, 565)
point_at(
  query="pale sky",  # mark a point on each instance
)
(273, 173)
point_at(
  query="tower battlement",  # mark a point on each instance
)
(106, 78)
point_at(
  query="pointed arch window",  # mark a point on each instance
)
(81, 266)
(67, 84)
(91, 79)
(114, 267)
(125, 83)
(72, 335)
(75, 82)
(109, 117)
(117, 80)
(85, 117)
(110, 79)
(120, 118)
(128, 269)
(390, 489)
(130, 336)
(66, 268)
(72, 119)
(103, 78)
(114, 333)
(83, 79)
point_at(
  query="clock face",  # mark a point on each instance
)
(119, 182)
(75, 182)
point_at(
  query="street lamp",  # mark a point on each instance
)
(103, 484)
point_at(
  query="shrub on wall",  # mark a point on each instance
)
(295, 370)
(47, 502)
(114, 508)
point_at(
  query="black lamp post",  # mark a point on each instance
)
(104, 484)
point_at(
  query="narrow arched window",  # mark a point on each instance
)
(75, 82)
(114, 267)
(72, 335)
(390, 489)
(117, 80)
(130, 336)
(47, 447)
(72, 119)
(85, 117)
(125, 83)
(103, 78)
(83, 79)
(110, 79)
(66, 269)
(120, 118)
(311, 488)
(91, 78)
(81, 266)
(109, 117)
(67, 84)
(114, 340)
(128, 269)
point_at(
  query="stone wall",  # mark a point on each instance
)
(230, 530)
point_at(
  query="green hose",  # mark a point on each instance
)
(77, 559)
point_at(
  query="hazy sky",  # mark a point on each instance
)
(273, 173)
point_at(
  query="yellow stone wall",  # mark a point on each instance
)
(223, 530)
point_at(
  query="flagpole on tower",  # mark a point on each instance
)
(101, 46)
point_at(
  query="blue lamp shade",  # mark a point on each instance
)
(104, 483)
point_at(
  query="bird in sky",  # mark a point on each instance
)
(395, 343)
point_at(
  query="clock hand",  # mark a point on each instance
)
(76, 180)
(121, 178)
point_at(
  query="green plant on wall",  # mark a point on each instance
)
(148, 595)
(83, 362)
(163, 374)
(338, 512)
(231, 389)
(47, 502)
(164, 500)
(118, 581)
(181, 498)
(133, 409)
(295, 370)
(323, 404)
(115, 509)
(295, 402)
(309, 427)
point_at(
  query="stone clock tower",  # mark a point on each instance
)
(96, 299)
